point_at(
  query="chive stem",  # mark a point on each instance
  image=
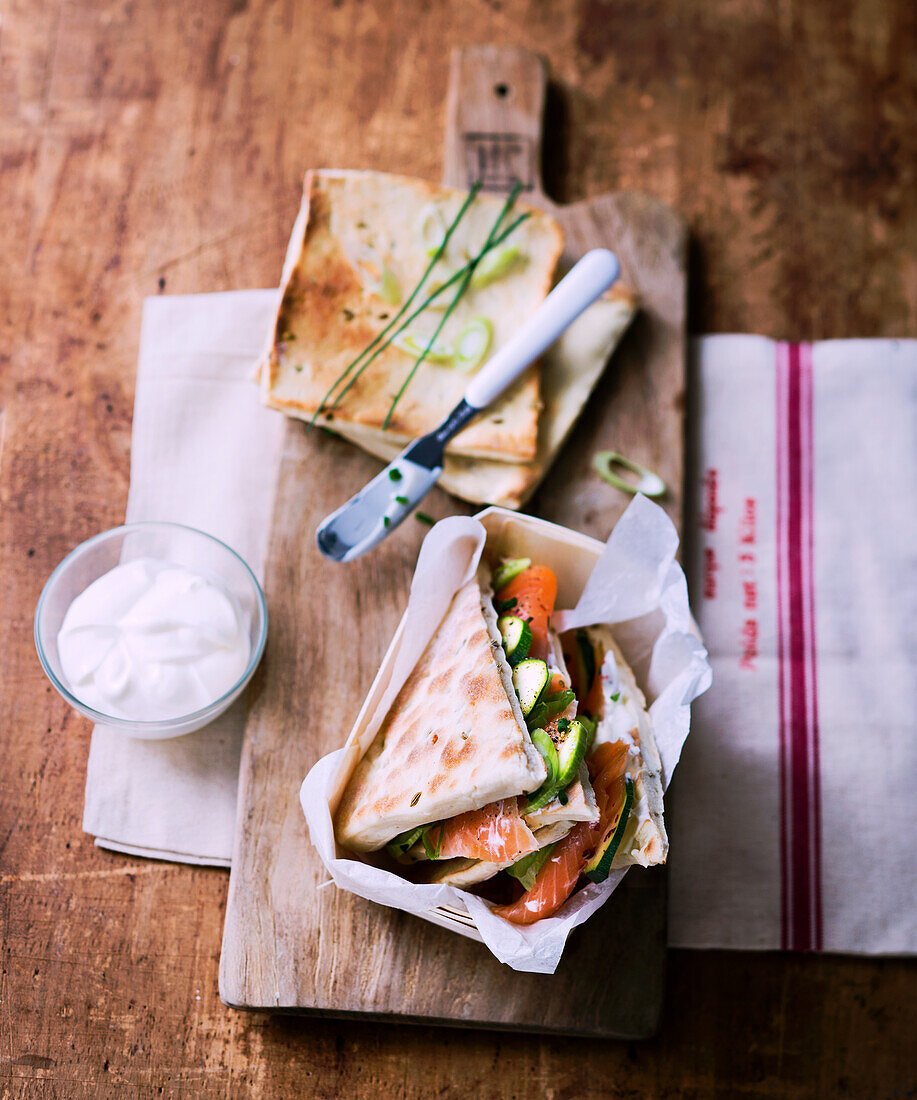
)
(437, 256)
(488, 244)
(454, 278)
(426, 351)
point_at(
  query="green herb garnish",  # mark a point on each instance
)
(616, 696)
(386, 522)
(451, 281)
(404, 841)
(434, 260)
(563, 798)
(401, 500)
(526, 870)
(433, 853)
(463, 286)
(506, 605)
(550, 707)
(424, 518)
(395, 474)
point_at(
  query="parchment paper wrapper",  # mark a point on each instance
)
(632, 583)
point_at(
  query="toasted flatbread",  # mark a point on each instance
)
(644, 841)
(454, 740)
(570, 369)
(358, 243)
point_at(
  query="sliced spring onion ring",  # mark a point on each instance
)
(432, 228)
(649, 483)
(389, 289)
(473, 344)
(415, 344)
(496, 264)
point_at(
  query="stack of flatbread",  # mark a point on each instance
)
(360, 245)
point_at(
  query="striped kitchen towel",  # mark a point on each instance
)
(793, 814)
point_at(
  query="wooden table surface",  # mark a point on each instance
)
(158, 148)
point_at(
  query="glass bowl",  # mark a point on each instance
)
(170, 542)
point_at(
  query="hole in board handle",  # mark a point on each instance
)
(501, 91)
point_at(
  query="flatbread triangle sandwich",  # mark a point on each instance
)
(511, 751)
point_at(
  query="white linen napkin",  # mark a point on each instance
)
(204, 452)
(793, 814)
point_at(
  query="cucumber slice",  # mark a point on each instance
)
(530, 679)
(517, 637)
(571, 751)
(526, 869)
(599, 864)
(550, 707)
(589, 724)
(508, 569)
(545, 746)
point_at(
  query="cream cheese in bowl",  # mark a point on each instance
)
(150, 640)
(152, 629)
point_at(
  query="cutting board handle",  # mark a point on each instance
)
(494, 113)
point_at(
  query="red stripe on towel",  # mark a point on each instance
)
(800, 826)
(782, 694)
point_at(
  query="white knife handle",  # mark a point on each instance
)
(578, 289)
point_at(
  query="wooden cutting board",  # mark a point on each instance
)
(290, 943)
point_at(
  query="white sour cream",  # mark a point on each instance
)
(150, 641)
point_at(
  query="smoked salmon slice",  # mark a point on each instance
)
(496, 833)
(535, 591)
(555, 880)
(559, 875)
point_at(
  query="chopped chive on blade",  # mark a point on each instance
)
(395, 474)
(401, 500)
(434, 260)
(386, 522)
(424, 518)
